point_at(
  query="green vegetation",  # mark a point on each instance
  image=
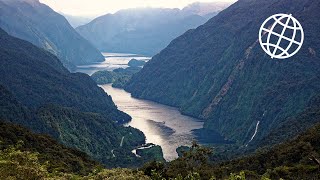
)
(124, 76)
(218, 72)
(36, 78)
(29, 156)
(36, 91)
(180, 150)
(293, 125)
(136, 63)
(17, 164)
(119, 77)
(25, 155)
(94, 135)
(151, 152)
(104, 77)
(16, 141)
(295, 159)
(121, 81)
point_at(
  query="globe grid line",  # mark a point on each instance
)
(296, 26)
(293, 35)
(288, 27)
(280, 37)
(283, 37)
(273, 45)
(269, 35)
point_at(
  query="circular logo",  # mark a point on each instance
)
(281, 36)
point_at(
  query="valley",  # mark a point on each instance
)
(162, 125)
(163, 90)
(225, 78)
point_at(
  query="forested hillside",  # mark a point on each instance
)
(298, 158)
(219, 72)
(36, 91)
(32, 156)
(261, 115)
(59, 157)
(36, 77)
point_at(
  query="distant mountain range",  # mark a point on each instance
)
(76, 21)
(145, 30)
(205, 8)
(37, 23)
(219, 72)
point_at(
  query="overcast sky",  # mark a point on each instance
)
(99, 7)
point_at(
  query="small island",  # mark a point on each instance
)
(118, 77)
(149, 151)
(136, 63)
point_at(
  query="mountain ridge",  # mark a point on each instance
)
(40, 25)
(142, 30)
(37, 92)
(219, 72)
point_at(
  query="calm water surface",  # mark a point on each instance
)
(112, 61)
(162, 125)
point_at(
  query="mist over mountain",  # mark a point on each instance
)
(144, 30)
(76, 21)
(205, 8)
(219, 72)
(37, 23)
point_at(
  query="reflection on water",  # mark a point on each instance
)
(162, 125)
(112, 61)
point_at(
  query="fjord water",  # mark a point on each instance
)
(162, 125)
(112, 61)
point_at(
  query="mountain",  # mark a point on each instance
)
(37, 23)
(219, 72)
(37, 78)
(26, 155)
(76, 21)
(142, 30)
(13, 111)
(205, 8)
(36, 91)
(291, 126)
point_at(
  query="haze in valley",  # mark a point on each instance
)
(99, 7)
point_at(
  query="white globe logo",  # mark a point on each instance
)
(281, 36)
